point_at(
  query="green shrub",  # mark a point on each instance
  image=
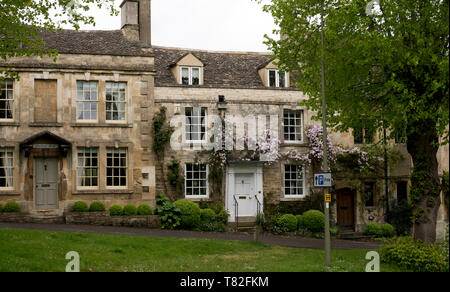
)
(115, 210)
(80, 206)
(287, 222)
(144, 210)
(97, 207)
(169, 214)
(221, 214)
(207, 215)
(190, 213)
(416, 256)
(372, 229)
(314, 220)
(300, 221)
(334, 230)
(130, 210)
(386, 230)
(1, 208)
(12, 207)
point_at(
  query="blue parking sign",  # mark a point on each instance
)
(322, 180)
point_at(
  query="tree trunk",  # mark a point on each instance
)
(422, 145)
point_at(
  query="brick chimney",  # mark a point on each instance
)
(136, 20)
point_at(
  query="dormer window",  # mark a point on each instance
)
(277, 78)
(190, 75)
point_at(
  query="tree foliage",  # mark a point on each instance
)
(387, 66)
(22, 20)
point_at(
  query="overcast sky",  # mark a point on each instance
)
(224, 25)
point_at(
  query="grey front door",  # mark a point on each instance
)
(46, 183)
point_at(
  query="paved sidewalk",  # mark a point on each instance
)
(288, 241)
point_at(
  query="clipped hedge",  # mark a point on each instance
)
(144, 210)
(12, 207)
(222, 215)
(115, 210)
(129, 210)
(314, 220)
(386, 230)
(300, 221)
(190, 213)
(207, 215)
(80, 206)
(377, 230)
(414, 255)
(97, 207)
(372, 229)
(287, 222)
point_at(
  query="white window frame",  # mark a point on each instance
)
(186, 187)
(301, 126)
(303, 182)
(8, 81)
(125, 120)
(205, 125)
(83, 101)
(277, 78)
(5, 150)
(80, 187)
(126, 169)
(190, 75)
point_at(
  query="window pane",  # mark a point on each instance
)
(195, 76)
(281, 79)
(6, 168)
(87, 167)
(6, 99)
(116, 167)
(196, 181)
(272, 78)
(185, 76)
(293, 180)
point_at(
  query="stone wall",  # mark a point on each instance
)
(133, 133)
(103, 219)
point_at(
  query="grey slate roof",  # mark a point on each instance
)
(95, 42)
(221, 69)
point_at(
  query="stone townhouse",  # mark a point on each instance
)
(80, 128)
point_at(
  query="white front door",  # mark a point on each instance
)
(244, 190)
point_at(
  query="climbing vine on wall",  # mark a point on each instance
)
(174, 174)
(162, 131)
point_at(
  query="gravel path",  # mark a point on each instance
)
(288, 241)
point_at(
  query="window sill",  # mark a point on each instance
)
(101, 125)
(11, 123)
(9, 193)
(197, 199)
(293, 143)
(293, 198)
(102, 192)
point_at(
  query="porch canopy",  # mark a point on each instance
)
(45, 140)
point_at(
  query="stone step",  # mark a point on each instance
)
(246, 229)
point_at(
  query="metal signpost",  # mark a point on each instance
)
(325, 141)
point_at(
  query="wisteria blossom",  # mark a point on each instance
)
(267, 149)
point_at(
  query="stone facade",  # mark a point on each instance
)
(46, 124)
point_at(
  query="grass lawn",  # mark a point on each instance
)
(33, 250)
